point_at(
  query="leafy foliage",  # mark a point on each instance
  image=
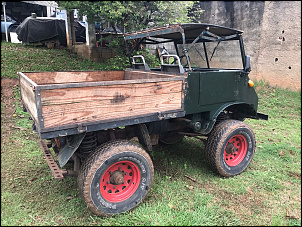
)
(121, 60)
(136, 15)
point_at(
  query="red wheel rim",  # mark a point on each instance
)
(235, 150)
(120, 181)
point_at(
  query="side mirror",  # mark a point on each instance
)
(247, 67)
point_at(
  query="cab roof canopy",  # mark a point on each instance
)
(191, 31)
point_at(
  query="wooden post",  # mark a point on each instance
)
(73, 36)
(90, 35)
(68, 30)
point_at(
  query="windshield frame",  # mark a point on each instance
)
(186, 34)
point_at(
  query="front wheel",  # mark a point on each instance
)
(230, 147)
(115, 178)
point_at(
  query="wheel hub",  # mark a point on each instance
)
(120, 181)
(117, 177)
(230, 148)
(235, 150)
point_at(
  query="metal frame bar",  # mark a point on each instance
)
(242, 51)
(206, 54)
(109, 124)
(56, 171)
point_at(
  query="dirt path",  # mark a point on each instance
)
(7, 92)
(7, 105)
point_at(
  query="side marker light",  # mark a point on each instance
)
(251, 83)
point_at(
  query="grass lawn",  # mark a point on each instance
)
(267, 193)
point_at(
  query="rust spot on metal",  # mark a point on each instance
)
(56, 171)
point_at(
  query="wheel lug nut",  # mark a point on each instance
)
(108, 182)
(114, 187)
(126, 173)
(110, 172)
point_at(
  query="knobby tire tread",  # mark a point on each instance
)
(216, 139)
(94, 160)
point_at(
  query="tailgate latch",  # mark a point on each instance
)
(82, 128)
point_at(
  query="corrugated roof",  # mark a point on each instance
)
(43, 3)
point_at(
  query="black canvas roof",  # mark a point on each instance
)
(191, 30)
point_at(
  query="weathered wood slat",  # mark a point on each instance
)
(134, 75)
(112, 92)
(100, 95)
(107, 109)
(28, 98)
(74, 76)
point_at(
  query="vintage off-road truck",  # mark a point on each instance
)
(106, 122)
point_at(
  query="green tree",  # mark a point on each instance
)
(135, 15)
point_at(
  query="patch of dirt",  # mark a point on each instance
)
(7, 93)
(295, 175)
(7, 104)
(243, 205)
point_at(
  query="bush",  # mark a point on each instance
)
(122, 61)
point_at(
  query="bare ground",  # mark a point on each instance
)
(7, 105)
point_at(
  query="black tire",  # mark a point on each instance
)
(115, 178)
(230, 147)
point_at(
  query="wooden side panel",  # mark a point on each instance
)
(28, 98)
(135, 75)
(42, 78)
(88, 104)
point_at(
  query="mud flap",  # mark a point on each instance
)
(143, 136)
(70, 147)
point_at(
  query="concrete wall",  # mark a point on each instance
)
(272, 36)
(97, 54)
(279, 60)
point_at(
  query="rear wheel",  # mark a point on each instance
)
(230, 147)
(116, 178)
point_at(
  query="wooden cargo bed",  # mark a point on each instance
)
(90, 100)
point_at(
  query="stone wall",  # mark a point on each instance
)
(272, 36)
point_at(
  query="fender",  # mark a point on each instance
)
(214, 114)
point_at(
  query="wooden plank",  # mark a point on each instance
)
(28, 98)
(41, 78)
(113, 92)
(74, 113)
(134, 75)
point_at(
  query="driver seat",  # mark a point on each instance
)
(174, 68)
(140, 65)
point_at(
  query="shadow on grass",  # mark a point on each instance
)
(186, 156)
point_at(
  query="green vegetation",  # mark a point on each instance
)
(268, 193)
(136, 15)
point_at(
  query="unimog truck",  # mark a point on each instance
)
(104, 123)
